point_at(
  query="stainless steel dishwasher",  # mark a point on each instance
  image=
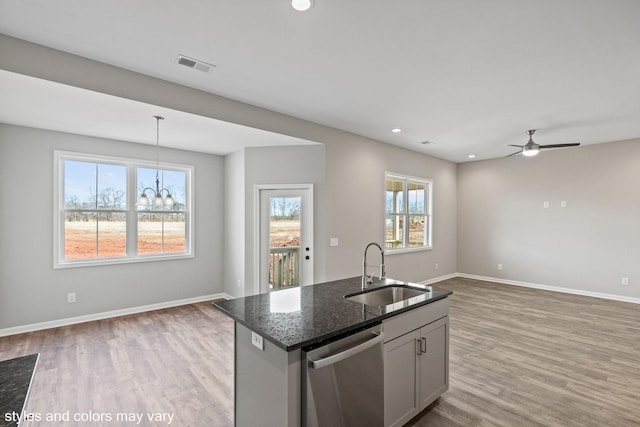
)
(343, 382)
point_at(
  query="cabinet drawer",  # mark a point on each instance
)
(414, 319)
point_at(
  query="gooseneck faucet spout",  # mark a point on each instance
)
(381, 273)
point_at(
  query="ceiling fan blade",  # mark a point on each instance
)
(511, 145)
(573, 144)
(513, 154)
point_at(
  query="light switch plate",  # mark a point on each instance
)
(333, 241)
(257, 341)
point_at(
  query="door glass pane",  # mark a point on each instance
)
(284, 242)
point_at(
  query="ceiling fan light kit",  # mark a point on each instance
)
(301, 5)
(530, 149)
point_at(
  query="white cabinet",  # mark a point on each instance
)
(416, 365)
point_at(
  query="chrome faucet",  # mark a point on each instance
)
(381, 273)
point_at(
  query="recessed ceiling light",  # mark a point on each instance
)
(301, 5)
(396, 130)
(472, 156)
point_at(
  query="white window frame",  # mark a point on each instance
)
(131, 212)
(428, 213)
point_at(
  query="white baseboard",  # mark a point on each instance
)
(108, 314)
(551, 288)
(175, 303)
(438, 279)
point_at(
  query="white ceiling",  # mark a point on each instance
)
(469, 76)
(27, 101)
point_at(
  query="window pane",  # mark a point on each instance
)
(112, 186)
(417, 230)
(394, 196)
(80, 235)
(176, 183)
(415, 197)
(174, 233)
(79, 184)
(94, 195)
(149, 233)
(112, 234)
(160, 233)
(394, 231)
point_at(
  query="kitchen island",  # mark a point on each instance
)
(16, 376)
(273, 331)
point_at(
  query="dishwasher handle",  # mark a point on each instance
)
(334, 358)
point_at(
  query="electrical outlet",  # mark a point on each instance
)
(545, 205)
(625, 281)
(334, 241)
(563, 204)
(437, 266)
(71, 297)
(257, 341)
(499, 266)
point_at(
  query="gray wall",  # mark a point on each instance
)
(356, 208)
(246, 168)
(353, 192)
(31, 291)
(234, 224)
(589, 245)
(285, 165)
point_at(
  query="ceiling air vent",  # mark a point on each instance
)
(195, 64)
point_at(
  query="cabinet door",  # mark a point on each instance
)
(401, 379)
(434, 361)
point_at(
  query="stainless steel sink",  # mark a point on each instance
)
(387, 295)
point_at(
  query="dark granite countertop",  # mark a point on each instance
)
(15, 381)
(298, 317)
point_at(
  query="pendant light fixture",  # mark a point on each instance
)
(158, 200)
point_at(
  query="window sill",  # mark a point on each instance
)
(116, 261)
(389, 251)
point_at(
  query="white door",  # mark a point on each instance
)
(286, 237)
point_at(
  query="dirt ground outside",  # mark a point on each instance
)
(284, 233)
(80, 239)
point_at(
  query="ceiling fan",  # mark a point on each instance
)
(531, 148)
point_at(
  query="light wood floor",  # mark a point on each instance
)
(526, 357)
(177, 361)
(518, 357)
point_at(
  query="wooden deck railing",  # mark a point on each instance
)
(284, 267)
